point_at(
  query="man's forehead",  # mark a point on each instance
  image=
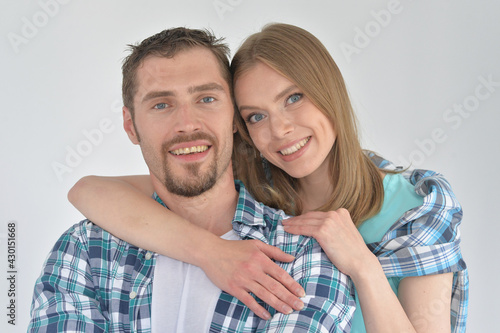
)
(164, 65)
(189, 65)
(189, 72)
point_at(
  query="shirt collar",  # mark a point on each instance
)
(252, 219)
(248, 210)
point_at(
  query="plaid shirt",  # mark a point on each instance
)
(94, 282)
(426, 239)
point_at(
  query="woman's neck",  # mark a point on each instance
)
(315, 189)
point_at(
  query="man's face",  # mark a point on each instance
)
(183, 120)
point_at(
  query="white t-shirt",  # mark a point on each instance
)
(184, 299)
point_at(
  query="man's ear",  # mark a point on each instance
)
(235, 129)
(128, 125)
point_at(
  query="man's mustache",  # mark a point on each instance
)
(187, 138)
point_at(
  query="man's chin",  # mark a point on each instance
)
(189, 190)
(190, 182)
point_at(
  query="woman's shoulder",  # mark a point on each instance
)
(424, 181)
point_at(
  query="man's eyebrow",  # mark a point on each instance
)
(167, 93)
(205, 87)
(155, 94)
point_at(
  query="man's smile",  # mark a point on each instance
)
(189, 150)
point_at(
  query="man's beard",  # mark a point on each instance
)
(196, 182)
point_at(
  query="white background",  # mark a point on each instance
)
(61, 80)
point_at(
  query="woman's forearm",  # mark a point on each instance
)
(382, 311)
(422, 304)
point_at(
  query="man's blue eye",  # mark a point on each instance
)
(161, 106)
(207, 99)
(255, 118)
(294, 98)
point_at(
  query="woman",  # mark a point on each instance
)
(297, 149)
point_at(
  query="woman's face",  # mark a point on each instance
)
(285, 126)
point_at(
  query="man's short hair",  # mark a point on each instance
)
(167, 44)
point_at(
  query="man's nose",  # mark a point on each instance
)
(187, 119)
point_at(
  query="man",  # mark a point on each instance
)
(179, 109)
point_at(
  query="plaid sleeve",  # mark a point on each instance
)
(65, 299)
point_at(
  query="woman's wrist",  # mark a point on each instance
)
(203, 248)
(367, 270)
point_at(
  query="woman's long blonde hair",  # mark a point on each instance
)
(302, 58)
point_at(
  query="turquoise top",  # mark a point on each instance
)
(399, 197)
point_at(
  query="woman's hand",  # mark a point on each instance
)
(338, 237)
(243, 267)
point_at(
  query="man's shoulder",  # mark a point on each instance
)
(86, 229)
(89, 237)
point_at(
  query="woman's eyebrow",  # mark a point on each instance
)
(285, 92)
(279, 96)
(247, 107)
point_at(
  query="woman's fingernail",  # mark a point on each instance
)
(266, 315)
(298, 305)
(300, 292)
(286, 309)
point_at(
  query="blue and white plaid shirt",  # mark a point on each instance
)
(95, 282)
(426, 239)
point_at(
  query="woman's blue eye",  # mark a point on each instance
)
(255, 118)
(161, 106)
(294, 98)
(207, 99)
